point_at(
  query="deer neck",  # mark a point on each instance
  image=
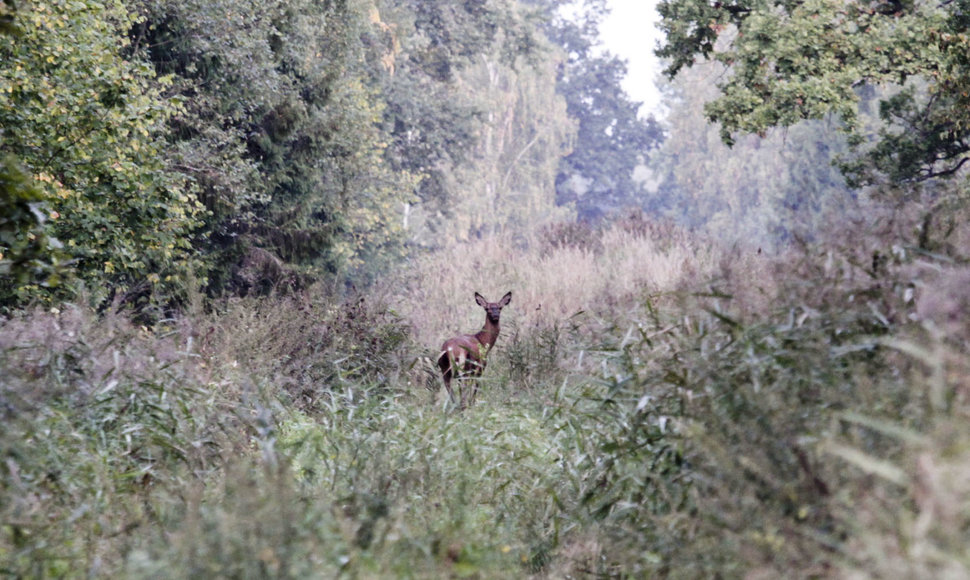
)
(488, 334)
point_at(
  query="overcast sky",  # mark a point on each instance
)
(631, 33)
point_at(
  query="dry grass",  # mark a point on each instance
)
(735, 414)
(550, 281)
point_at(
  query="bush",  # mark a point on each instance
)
(312, 345)
(100, 420)
(798, 415)
(730, 445)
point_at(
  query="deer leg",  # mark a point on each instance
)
(474, 392)
(461, 371)
(476, 372)
(451, 393)
(464, 394)
(447, 365)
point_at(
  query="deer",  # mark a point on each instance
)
(466, 355)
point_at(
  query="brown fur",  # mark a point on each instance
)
(466, 355)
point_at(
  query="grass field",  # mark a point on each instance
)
(658, 405)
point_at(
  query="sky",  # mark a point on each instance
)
(631, 33)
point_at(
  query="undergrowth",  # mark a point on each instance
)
(657, 406)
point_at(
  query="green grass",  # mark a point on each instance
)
(646, 414)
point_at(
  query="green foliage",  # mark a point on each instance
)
(795, 61)
(7, 10)
(322, 136)
(421, 48)
(99, 420)
(474, 116)
(510, 188)
(315, 347)
(422, 492)
(336, 202)
(764, 191)
(765, 432)
(282, 134)
(611, 140)
(656, 405)
(794, 415)
(263, 147)
(28, 255)
(84, 117)
(450, 36)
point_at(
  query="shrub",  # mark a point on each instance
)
(312, 345)
(799, 415)
(100, 418)
(722, 445)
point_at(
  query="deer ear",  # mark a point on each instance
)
(480, 300)
(505, 299)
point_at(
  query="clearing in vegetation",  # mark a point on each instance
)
(658, 405)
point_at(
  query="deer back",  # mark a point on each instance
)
(466, 351)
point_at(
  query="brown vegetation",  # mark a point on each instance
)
(659, 405)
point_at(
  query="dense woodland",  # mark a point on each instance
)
(233, 236)
(245, 148)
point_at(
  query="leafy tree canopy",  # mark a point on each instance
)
(84, 120)
(281, 134)
(611, 140)
(794, 60)
(28, 255)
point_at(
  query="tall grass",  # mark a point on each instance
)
(552, 276)
(97, 415)
(658, 406)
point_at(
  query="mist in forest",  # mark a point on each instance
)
(234, 238)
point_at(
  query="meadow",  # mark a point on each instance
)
(659, 404)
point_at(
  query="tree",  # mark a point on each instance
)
(611, 141)
(524, 135)
(84, 120)
(760, 190)
(281, 133)
(791, 61)
(422, 49)
(471, 112)
(28, 255)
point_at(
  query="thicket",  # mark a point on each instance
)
(245, 149)
(717, 411)
(190, 385)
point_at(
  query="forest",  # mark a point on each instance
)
(234, 236)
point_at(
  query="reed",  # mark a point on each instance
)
(658, 406)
